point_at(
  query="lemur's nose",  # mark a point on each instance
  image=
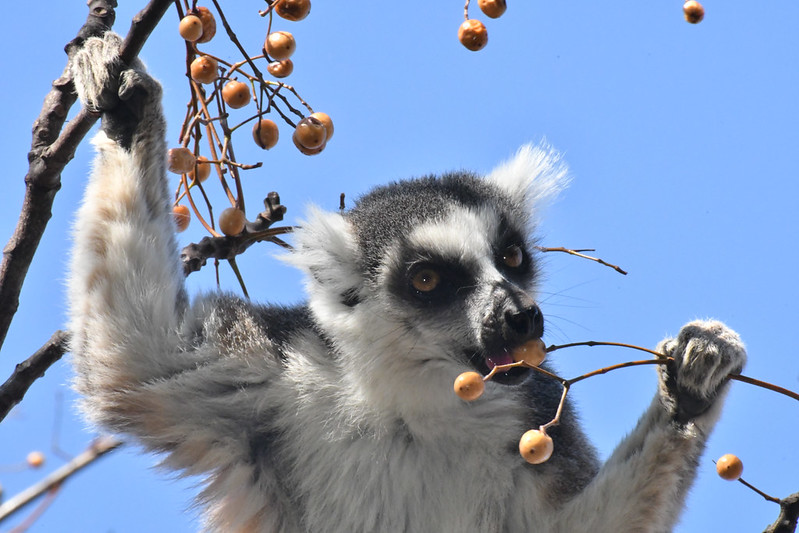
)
(525, 323)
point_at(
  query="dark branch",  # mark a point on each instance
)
(50, 152)
(15, 387)
(789, 515)
(195, 255)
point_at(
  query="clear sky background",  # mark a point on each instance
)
(684, 146)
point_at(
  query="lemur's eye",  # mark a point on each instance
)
(513, 256)
(425, 280)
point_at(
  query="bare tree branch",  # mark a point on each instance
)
(98, 448)
(15, 387)
(50, 152)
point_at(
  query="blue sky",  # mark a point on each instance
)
(682, 141)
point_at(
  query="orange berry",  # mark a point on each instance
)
(307, 151)
(190, 28)
(231, 221)
(325, 119)
(693, 11)
(473, 35)
(35, 459)
(203, 170)
(280, 45)
(729, 467)
(209, 24)
(236, 94)
(293, 9)
(492, 8)
(310, 133)
(182, 216)
(265, 133)
(180, 160)
(280, 69)
(469, 386)
(532, 352)
(204, 69)
(536, 446)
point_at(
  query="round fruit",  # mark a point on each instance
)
(532, 352)
(182, 216)
(180, 160)
(190, 28)
(204, 69)
(536, 446)
(280, 69)
(729, 467)
(209, 24)
(231, 221)
(473, 35)
(310, 133)
(265, 133)
(203, 170)
(469, 386)
(307, 151)
(492, 8)
(293, 9)
(35, 459)
(325, 119)
(236, 94)
(280, 45)
(693, 11)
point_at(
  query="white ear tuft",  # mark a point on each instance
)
(326, 249)
(533, 177)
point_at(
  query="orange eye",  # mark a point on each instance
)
(425, 280)
(513, 256)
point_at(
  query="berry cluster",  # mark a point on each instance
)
(225, 86)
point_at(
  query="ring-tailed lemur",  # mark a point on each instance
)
(339, 415)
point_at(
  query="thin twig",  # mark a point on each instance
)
(578, 254)
(97, 449)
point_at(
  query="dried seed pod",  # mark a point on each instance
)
(209, 24)
(492, 8)
(236, 94)
(536, 447)
(265, 133)
(280, 45)
(469, 386)
(190, 28)
(182, 217)
(204, 69)
(293, 9)
(473, 35)
(729, 467)
(693, 11)
(180, 160)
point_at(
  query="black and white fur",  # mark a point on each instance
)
(339, 415)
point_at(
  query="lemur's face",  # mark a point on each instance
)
(445, 262)
(432, 276)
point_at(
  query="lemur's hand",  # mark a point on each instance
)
(126, 95)
(705, 353)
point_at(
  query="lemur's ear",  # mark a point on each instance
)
(325, 248)
(532, 178)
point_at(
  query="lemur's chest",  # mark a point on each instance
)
(396, 482)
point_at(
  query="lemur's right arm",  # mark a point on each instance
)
(146, 362)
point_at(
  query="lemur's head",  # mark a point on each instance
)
(433, 274)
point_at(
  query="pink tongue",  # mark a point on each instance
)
(498, 359)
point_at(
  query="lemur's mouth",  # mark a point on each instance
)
(504, 356)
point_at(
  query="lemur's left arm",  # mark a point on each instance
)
(179, 377)
(643, 485)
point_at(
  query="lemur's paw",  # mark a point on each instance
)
(705, 353)
(129, 99)
(95, 69)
